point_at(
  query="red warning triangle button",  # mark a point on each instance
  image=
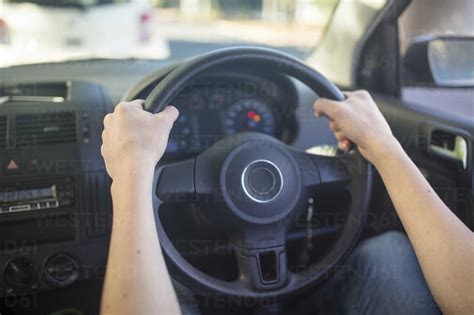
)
(11, 166)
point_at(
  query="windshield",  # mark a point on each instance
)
(38, 31)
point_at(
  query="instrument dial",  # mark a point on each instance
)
(249, 115)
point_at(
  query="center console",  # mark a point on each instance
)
(55, 205)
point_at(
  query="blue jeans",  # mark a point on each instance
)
(381, 276)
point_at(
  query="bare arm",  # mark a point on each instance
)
(137, 280)
(443, 244)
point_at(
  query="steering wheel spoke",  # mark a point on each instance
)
(262, 268)
(320, 172)
(175, 182)
(333, 171)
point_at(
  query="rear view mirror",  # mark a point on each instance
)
(440, 61)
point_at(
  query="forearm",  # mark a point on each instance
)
(443, 244)
(137, 281)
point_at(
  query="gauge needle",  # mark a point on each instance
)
(254, 116)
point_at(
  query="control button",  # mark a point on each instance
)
(43, 205)
(85, 127)
(20, 273)
(262, 181)
(61, 270)
(11, 166)
(20, 208)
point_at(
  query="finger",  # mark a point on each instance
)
(102, 151)
(363, 94)
(171, 112)
(168, 116)
(327, 107)
(344, 145)
(137, 103)
(317, 114)
(340, 136)
(341, 146)
(129, 105)
(333, 125)
(348, 94)
(107, 119)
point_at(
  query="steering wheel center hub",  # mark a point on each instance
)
(262, 181)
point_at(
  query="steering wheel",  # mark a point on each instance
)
(253, 186)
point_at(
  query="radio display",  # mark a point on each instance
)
(28, 194)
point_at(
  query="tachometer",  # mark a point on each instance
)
(249, 115)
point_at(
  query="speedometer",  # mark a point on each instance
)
(249, 115)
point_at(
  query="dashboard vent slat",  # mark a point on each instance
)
(45, 129)
(3, 132)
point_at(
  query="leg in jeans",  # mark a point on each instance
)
(382, 276)
(186, 300)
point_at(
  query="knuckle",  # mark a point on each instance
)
(363, 93)
(103, 150)
(322, 102)
(121, 108)
(317, 103)
(337, 112)
(107, 119)
(164, 119)
(339, 136)
(173, 110)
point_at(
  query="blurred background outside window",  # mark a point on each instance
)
(57, 30)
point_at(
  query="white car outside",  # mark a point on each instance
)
(42, 30)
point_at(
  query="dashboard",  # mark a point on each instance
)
(55, 203)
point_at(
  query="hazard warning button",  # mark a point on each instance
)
(11, 166)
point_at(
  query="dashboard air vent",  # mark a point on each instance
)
(48, 128)
(3, 132)
(36, 92)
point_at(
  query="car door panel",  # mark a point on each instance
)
(415, 127)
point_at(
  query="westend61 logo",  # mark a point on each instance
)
(18, 246)
(9, 301)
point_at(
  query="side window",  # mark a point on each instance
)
(437, 49)
(435, 17)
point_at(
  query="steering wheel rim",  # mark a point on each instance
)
(271, 60)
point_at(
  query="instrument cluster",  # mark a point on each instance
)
(214, 108)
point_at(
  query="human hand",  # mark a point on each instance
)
(356, 119)
(133, 139)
